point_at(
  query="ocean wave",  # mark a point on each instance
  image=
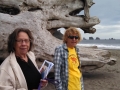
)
(101, 46)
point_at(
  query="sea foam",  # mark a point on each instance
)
(101, 46)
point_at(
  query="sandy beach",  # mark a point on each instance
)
(105, 78)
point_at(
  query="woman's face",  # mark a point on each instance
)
(72, 40)
(22, 44)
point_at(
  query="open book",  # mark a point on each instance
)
(45, 68)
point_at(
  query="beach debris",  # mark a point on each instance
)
(112, 61)
(94, 58)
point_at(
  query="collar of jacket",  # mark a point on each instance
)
(17, 70)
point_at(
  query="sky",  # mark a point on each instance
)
(108, 12)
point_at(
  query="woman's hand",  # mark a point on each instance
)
(43, 82)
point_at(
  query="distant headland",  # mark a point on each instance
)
(97, 38)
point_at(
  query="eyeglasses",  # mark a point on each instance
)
(21, 40)
(72, 37)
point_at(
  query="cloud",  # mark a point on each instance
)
(108, 28)
(105, 32)
(108, 11)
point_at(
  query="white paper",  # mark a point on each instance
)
(45, 68)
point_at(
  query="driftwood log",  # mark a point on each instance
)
(43, 18)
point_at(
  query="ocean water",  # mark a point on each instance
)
(102, 44)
